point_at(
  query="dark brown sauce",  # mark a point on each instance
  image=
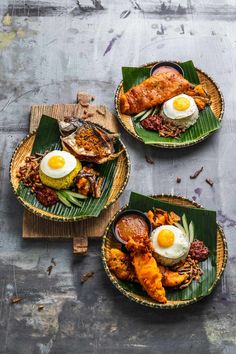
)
(131, 226)
(164, 69)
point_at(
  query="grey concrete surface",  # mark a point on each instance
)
(51, 50)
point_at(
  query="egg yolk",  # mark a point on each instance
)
(165, 238)
(181, 103)
(56, 162)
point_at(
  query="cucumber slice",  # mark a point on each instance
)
(70, 198)
(148, 113)
(74, 194)
(191, 231)
(185, 225)
(156, 110)
(64, 200)
(180, 227)
(74, 201)
(140, 114)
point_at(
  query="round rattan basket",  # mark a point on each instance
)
(23, 150)
(217, 106)
(109, 242)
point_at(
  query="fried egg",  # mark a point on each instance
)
(169, 241)
(58, 164)
(180, 110)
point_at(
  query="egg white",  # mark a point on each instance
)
(169, 110)
(69, 166)
(179, 247)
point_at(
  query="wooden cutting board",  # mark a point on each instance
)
(35, 227)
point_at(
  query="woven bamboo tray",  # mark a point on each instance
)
(217, 106)
(45, 226)
(109, 242)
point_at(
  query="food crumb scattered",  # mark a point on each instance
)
(40, 307)
(210, 182)
(149, 159)
(178, 179)
(49, 269)
(197, 173)
(85, 277)
(15, 299)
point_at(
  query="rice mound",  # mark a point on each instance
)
(184, 122)
(63, 182)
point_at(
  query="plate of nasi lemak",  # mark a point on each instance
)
(164, 251)
(169, 104)
(65, 171)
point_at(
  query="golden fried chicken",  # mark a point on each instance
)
(153, 91)
(146, 268)
(149, 276)
(200, 96)
(170, 278)
(120, 264)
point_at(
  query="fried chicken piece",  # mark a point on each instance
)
(171, 279)
(149, 276)
(153, 91)
(144, 245)
(201, 104)
(89, 181)
(120, 264)
(200, 96)
(146, 268)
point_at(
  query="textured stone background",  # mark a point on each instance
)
(49, 52)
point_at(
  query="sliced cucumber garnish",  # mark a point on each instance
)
(140, 114)
(180, 227)
(191, 231)
(148, 113)
(185, 225)
(71, 199)
(74, 194)
(156, 110)
(64, 200)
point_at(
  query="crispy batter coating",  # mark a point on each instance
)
(120, 264)
(200, 96)
(153, 91)
(149, 276)
(146, 268)
(172, 279)
(144, 245)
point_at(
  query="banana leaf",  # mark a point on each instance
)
(206, 123)
(205, 230)
(132, 76)
(48, 138)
